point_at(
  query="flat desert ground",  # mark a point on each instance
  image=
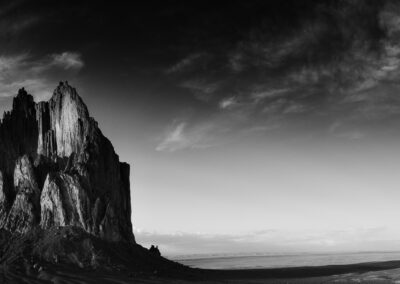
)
(380, 272)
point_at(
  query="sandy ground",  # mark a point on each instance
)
(66, 275)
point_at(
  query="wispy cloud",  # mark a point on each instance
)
(175, 138)
(13, 21)
(21, 25)
(266, 92)
(191, 134)
(227, 102)
(188, 62)
(259, 51)
(203, 89)
(68, 60)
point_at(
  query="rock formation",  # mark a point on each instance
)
(58, 169)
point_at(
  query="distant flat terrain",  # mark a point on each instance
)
(264, 261)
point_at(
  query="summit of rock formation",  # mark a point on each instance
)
(57, 169)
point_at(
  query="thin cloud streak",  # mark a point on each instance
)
(68, 60)
(203, 90)
(227, 103)
(185, 64)
(187, 134)
(174, 139)
(13, 22)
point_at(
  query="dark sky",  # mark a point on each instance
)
(244, 115)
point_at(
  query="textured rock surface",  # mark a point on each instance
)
(24, 212)
(69, 120)
(64, 202)
(2, 194)
(3, 200)
(57, 169)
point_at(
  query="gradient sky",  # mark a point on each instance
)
(250, 126)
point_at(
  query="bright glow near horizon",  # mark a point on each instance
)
(316, 197)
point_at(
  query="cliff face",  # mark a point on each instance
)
(57, 169)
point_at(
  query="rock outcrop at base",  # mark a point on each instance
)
(24, 212)
(58, 169)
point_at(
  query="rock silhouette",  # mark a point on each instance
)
(154, 250)
(58, 169)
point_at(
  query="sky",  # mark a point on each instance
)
(250, 126)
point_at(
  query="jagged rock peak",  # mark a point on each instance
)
(66, 93)
(64, 123)
(23, 97)
(23, 102)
